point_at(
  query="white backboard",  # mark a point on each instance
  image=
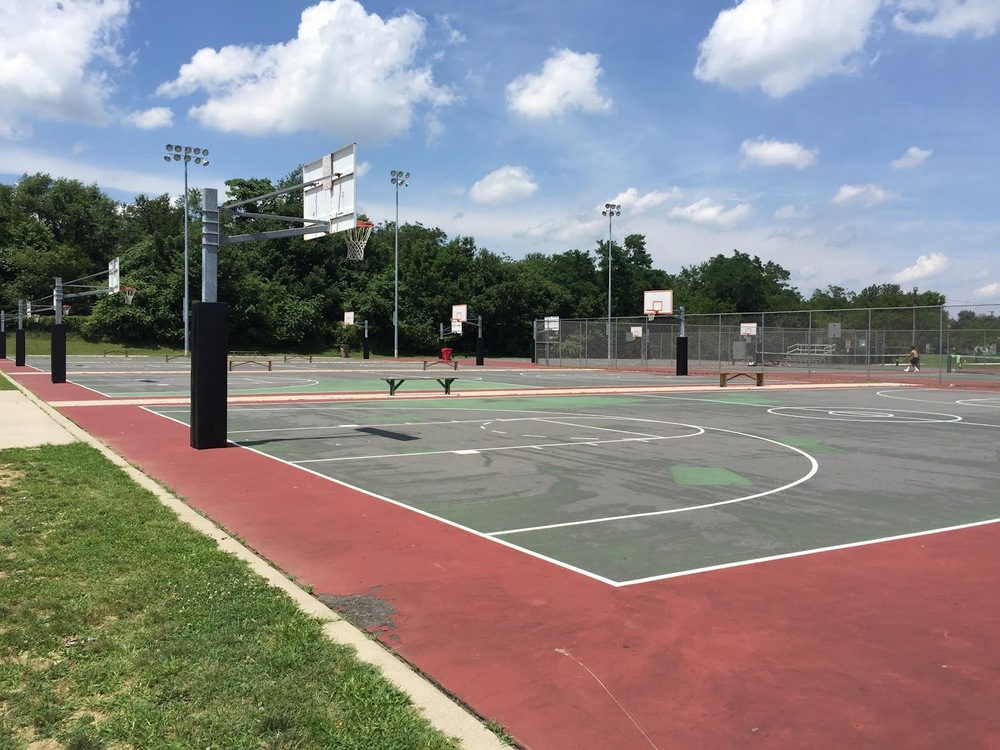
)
(333, 199)
(658, 302)
(348, 318)
(748, 329)
(114, 276)
(460, 312)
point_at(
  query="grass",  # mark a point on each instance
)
(5, 384)
(121, 627)
(38, 343)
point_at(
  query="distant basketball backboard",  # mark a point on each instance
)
(114, 276)
(332, 199)
(658, 302)
(460, 312)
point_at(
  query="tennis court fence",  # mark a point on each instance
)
(949, 338)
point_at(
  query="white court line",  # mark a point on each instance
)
(802, 553)
(465, 451)
(814, 467)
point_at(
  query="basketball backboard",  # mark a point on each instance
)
(658, 302)
(114, 276)
(333, 198)
(460, 312)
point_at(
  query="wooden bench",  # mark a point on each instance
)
(444, 382)
(452, 362)
(262, 362)
(291, 357)
(725, 377)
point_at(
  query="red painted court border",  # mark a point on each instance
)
(893, 645)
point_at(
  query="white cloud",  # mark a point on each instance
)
(912, 159)
(568, 82)
(782, 45)
(109, 176)
(632, 201)
(453, 35)
(990, 291)
(866, 195)
(948, 18)
(777, 154)
(926, 266)
(793, 212)
(506, 185)
(56, 59)
(341, 54)
(150, 119)
(707, 212)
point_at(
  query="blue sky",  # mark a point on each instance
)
(854, 142)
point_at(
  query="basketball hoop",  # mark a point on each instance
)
(357, 237)
(129, 293)
(651, 317)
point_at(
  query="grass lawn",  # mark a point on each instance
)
(122, 627)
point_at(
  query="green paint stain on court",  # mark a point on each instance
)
(810, 446)
(708, 476)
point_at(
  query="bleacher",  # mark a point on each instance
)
(810, 353)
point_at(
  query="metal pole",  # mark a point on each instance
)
(610, 210)
(398, 177)
(187, 275)
(198, 155)
(395, 288)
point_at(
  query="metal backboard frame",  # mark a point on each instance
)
(331, 197)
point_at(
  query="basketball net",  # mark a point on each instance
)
(129, 293)
(357, 237)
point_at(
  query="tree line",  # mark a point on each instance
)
(291, 294)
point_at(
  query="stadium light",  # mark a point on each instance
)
(610, 210)
(398, 178)
(186, 155)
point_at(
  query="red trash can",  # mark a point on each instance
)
(446, 354)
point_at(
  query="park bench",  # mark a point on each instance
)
(236, 359)
(756, 375)
(453, 363)
(444, 382)
(292, 357)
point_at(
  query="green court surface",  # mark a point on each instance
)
(638, 487)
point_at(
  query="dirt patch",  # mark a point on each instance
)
(10, 476)
(365, 611)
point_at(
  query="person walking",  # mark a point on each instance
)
(914, 360)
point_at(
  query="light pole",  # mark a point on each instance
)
(913, 340)
(610, 210)
(185, 154)
(398, 178)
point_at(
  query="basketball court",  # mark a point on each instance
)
(594, 558)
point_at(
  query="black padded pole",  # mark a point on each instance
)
(3, 345)
(209, 338)
(19, 348)
(58, 350)
(682, 355)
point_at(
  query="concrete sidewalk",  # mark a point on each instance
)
(25, 424)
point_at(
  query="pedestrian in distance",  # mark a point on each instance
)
(914, 360)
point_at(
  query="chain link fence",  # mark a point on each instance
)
(949, 339)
